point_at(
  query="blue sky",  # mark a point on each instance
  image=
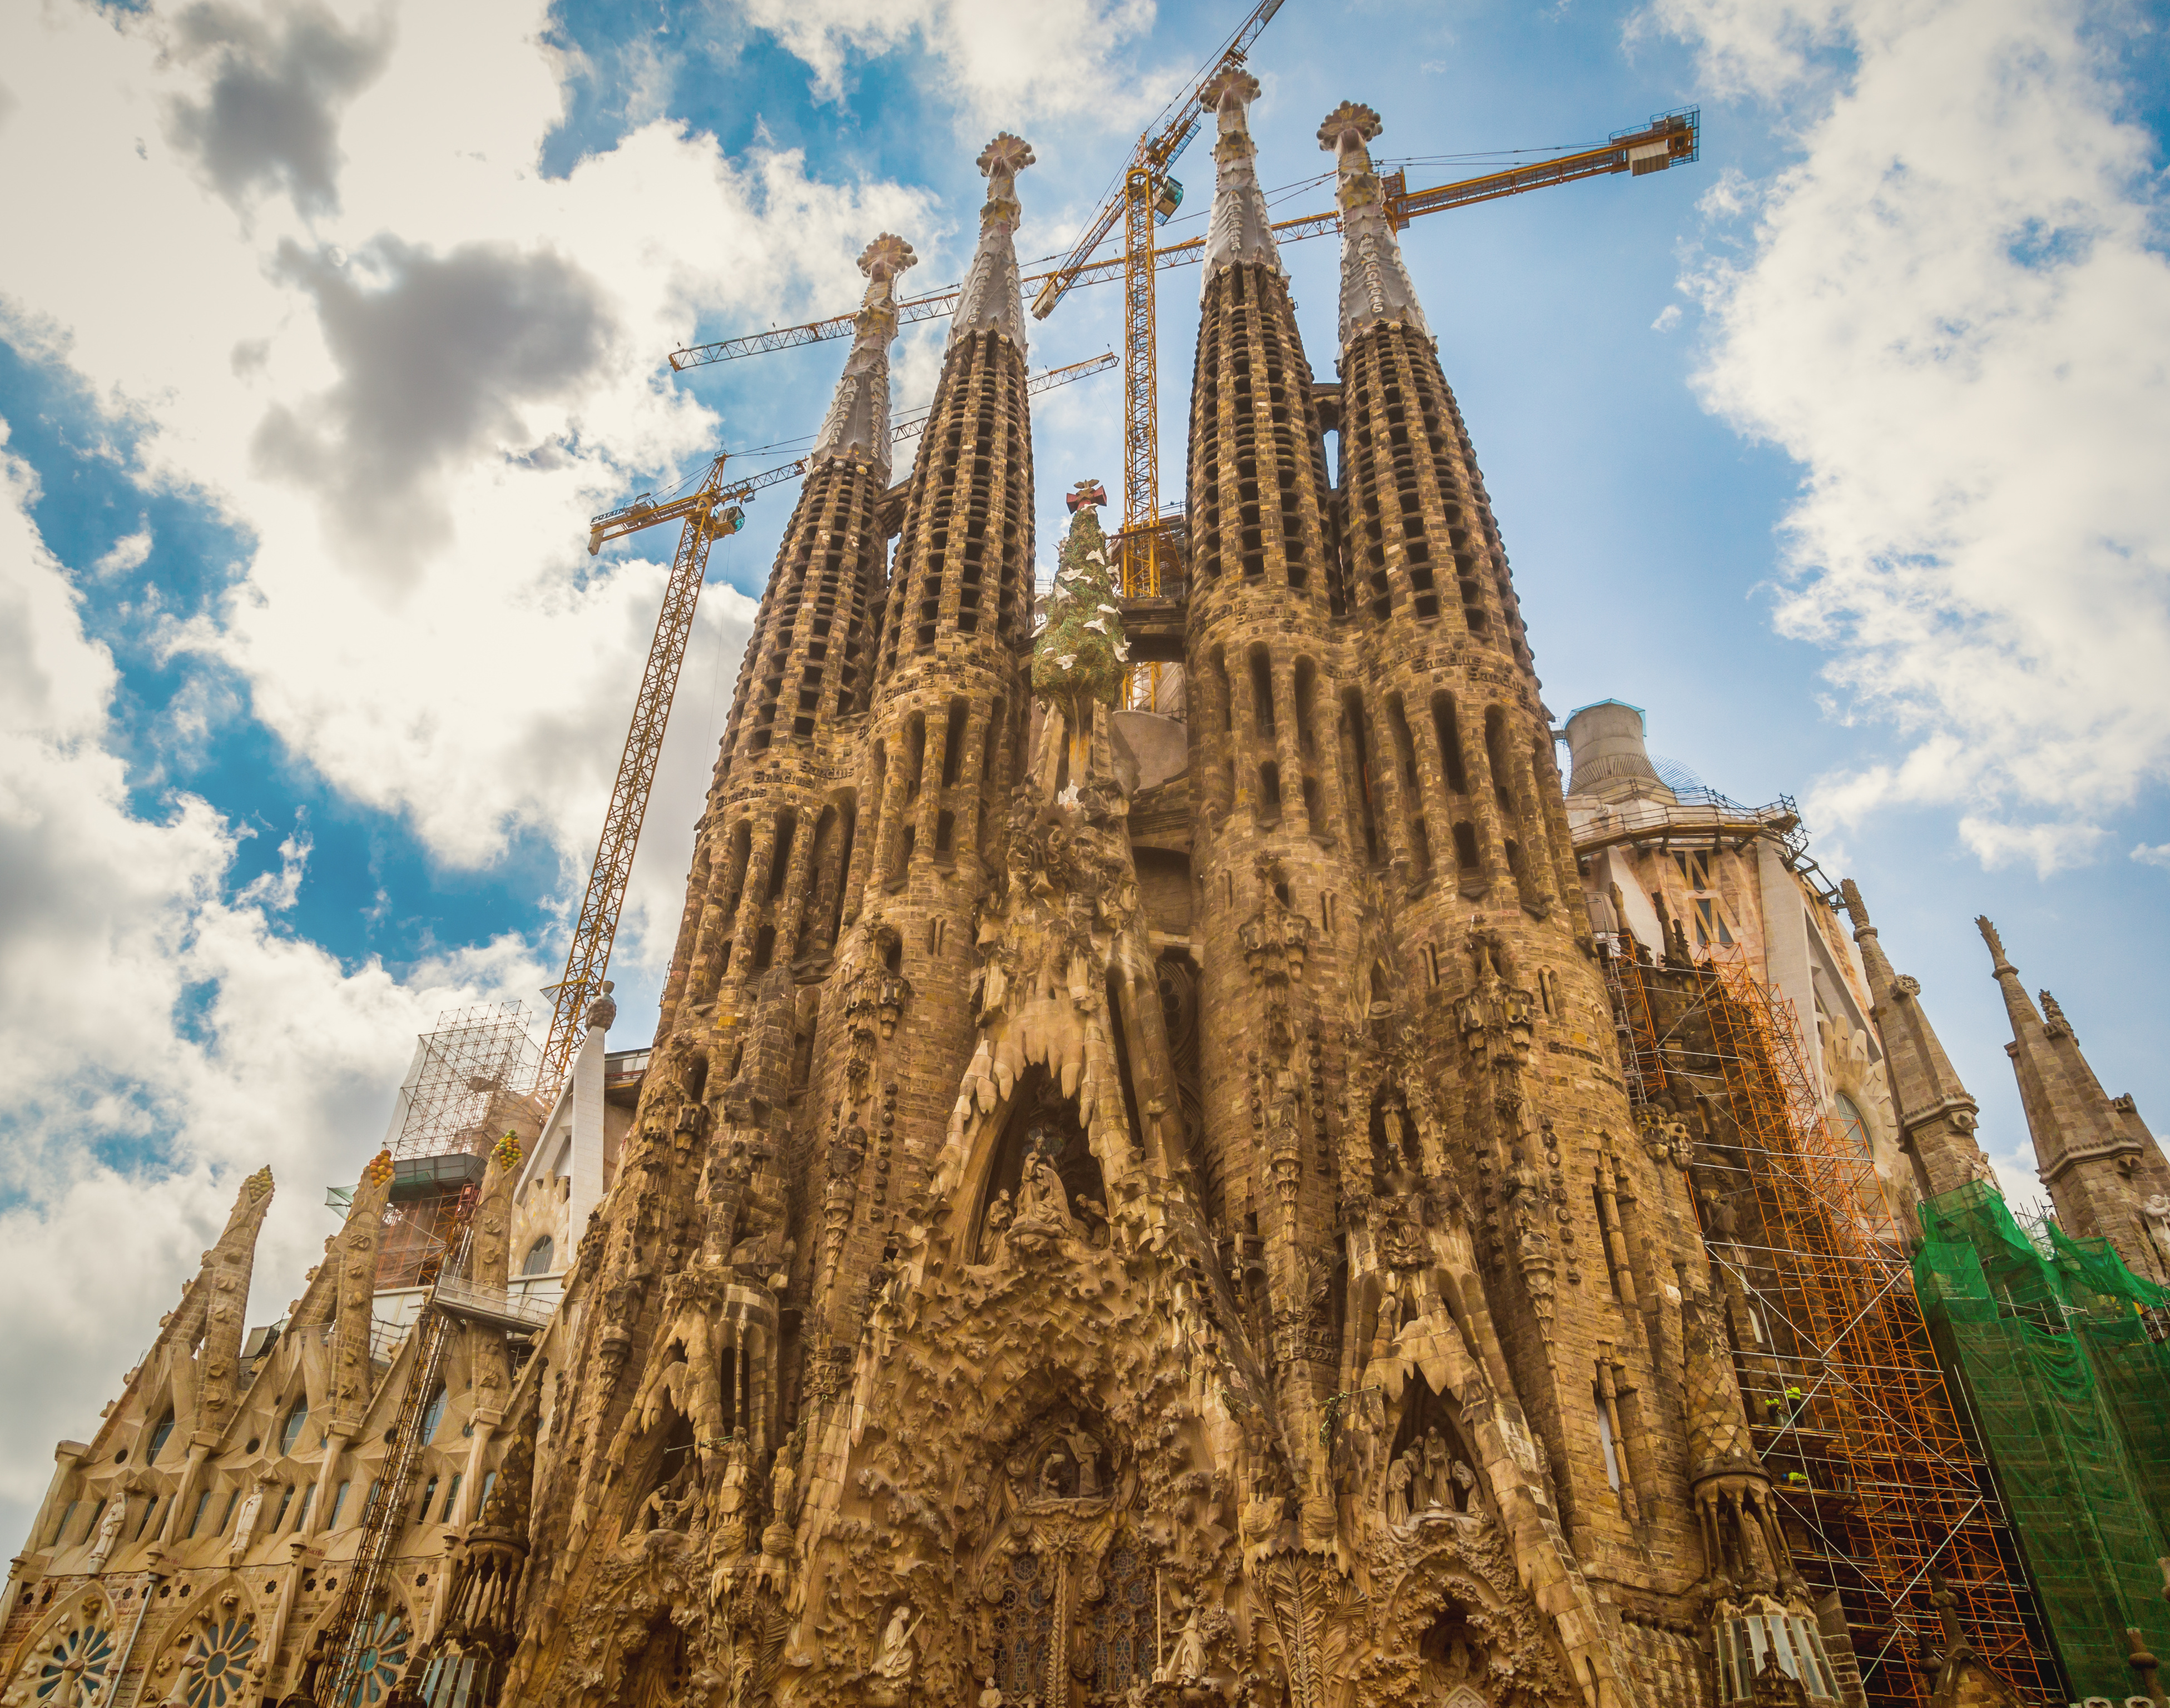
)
(323, 329)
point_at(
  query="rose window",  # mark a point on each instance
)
(384, 1647)
(71, 1670)
(215, 1667)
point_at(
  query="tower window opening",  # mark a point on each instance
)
(1604, 1440)
(1465, 846)
(1419, 849)
(945, 834)
(1448, 735)
(779, 860)
(764, 949)
(953, 742)
(1270, 793)
(1262, 693)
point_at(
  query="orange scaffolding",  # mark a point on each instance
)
(1884, 1492)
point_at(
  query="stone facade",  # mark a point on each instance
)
(1116, 1210)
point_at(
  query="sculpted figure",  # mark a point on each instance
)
(1397, 1492)
(991, 1697)
(1087, 1452)
(1465, 1483)
(244, 1525)
(2155, 1213)
(108, 1532)
(893, 1659)
(1434, 1463)
(1186, 1663)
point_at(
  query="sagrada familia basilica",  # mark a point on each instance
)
(1291, 1206)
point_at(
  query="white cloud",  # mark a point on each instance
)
(1669, 317)
(1952, 313)
(350, 369)
(129, 552)
(164, 1036)
(2154, 854)
(1054, 58)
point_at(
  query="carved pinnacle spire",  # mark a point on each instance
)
(1995, 946)
(1857, 909)
(1240, 230)
(2053, 1016)
(1375, 286)
(858, 416)
(989, 300)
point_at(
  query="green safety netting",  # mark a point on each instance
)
(2071, 1394)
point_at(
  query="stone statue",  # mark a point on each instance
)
(108, 1531)
(894, 1658)
(1186, 1665)
(1087, 1452)
(1434, 1466)
(1465, 1484)
(782, 1487)
(244, 1525)
(2155, 1215)
(991, 1697)
(1390, 1317)
(1397, 1492)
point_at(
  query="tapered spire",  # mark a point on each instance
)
(1240, 229)
(2097, 1156)
(858, 417)
(990, 300)
(1375, 285)
(1936, 1114)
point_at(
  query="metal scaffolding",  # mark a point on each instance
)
(1879, 1480)
(474, 1058)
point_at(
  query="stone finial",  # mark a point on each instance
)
(2053, 1016)
(1857, 909)
(1240, 230)
(886, 257)
(603, 1011)
(989, 300)
(1350, 119)
(857, 424)
(1006, 156)
(1982, 923)
(1233, 86)
(1375, 288)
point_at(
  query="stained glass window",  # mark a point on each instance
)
(158, 1437)
(295, 1419)
(1848, 1127)
(433, 1416)
(1123, 1622)
(215, 1671)
(82, 1653)
(383, 1658)
(1024, 1625)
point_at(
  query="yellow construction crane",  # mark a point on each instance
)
(709, 509)
(1146, 194)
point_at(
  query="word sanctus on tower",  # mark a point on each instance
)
(1292, 1206)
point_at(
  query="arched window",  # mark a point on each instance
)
(1848, 1127)
(538, 1259)
(158, 1437)
(296, 1418)
(433, 1416)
